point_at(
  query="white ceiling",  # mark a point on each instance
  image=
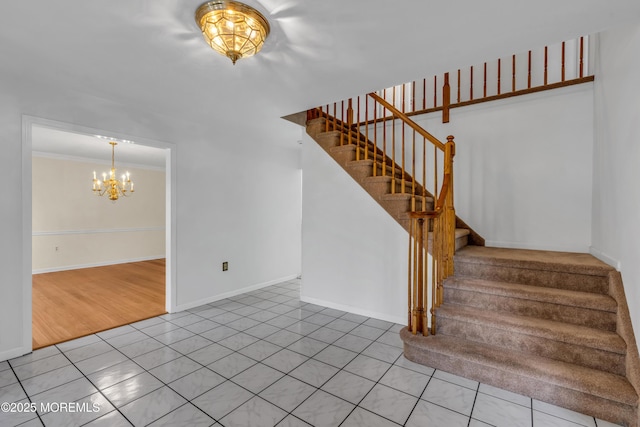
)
(150, 55)
(94, 148)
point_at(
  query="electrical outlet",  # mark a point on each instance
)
(225, 266)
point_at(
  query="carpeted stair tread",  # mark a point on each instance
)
(540, 369)
(542, 328)
(535, 293)
(567, 262)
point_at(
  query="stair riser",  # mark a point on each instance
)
(314, 127)
(554, 394)
(328, 140)
(511, 340)
(543, 310)
(360, 170)
(550, 279)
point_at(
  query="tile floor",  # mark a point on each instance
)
(263, 358)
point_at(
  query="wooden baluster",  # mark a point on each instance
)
(375, 138)
(425, 278)
(412, 107)
(484, 86)
(366, 128)
(410, 275)
(546, 63)
(342, 123)
(435, 173)
(326, 120)
(581, 57)
(335, 116)
(393, 143)
(471, 83)
(562, 72)
(402, 165)
(529, 76)
(357, 129)
(413, 171)
(513, 73)
(424, 94)
(384, 135)
(435, 91)
(458, 97)
(413, 95)
(446, 98)
(499, 73)
(413, 159)
(420, 276)
(424, 174)
(414, 320)
(349, 120)
(435, 267)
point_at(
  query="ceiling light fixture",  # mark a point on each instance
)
(232, 29)
(112, 187)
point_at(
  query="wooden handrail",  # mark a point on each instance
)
(399, 114)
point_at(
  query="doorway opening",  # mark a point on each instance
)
(95, 264)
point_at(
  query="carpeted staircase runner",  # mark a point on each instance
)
(538, 323)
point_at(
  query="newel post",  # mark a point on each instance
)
(449, 213)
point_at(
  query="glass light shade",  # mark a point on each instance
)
(232, 29)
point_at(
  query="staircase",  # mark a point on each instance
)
(398, 201)
(538, 323)
(549, 325)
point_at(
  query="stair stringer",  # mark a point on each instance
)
(397, 205)
(624, 328)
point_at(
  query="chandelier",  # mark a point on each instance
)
(232, 29)
(112, 187)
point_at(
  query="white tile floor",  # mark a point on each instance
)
(263, 358)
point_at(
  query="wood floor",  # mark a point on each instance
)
(70, 304)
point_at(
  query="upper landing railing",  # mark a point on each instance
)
(562, 64)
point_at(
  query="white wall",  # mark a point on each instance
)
(616, 195)
(238, 195)
(354, 254)
(73, 228)
(523, 178)
(523, 168)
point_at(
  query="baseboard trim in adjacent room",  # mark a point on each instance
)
(94, 264)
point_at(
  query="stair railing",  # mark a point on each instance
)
(399, 151)
(558, 65)
(431, 232)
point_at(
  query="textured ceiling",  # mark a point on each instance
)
(150, 55)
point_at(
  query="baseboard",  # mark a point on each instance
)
(13, 353)
(355, 310)
(521, 245)
(605, 258)
(233, 293)
(95, 264)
